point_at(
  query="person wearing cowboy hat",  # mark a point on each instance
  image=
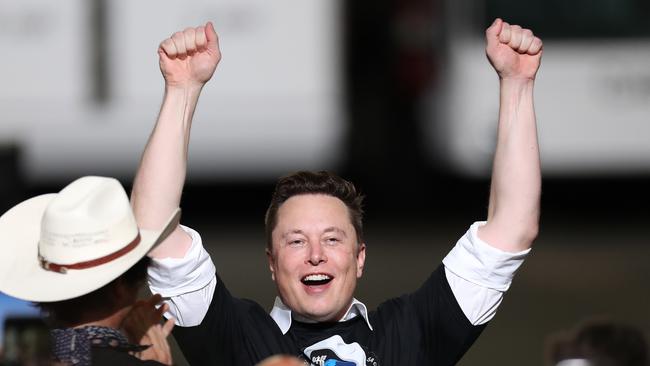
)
(80, 256)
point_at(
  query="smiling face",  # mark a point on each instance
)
(315, 260)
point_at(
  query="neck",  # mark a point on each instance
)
(336, 318)
(113, 320)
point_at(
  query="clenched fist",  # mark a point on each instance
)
(514, 52)
(189, 58)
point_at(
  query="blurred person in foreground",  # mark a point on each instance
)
(598, 343)
(315, 245)
(80, 256)
(282, 360)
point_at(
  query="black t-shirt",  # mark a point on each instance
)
(426, 327)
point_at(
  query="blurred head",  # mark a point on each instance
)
(600, 343)
(315, 248)
(282, 361)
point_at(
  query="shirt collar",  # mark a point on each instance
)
(282, 314)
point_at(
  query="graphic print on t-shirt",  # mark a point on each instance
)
(333, 351)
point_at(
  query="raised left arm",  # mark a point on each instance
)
(513, 212)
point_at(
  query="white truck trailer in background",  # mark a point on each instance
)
(274, 104)
(592, 94)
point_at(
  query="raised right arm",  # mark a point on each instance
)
(187, 61)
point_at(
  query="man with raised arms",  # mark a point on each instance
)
(315, 245)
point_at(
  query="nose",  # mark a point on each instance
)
(316, 254)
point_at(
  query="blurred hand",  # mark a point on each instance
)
(514, 52)
(142, 326)
(189, 58)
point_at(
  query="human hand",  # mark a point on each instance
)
(514, 52)
(189, 58)
(156, 338)
(142, 326)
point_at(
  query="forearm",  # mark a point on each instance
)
(160, 178)
(513, 212)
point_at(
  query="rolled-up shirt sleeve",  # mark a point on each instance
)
(187, 284)
(479, 274)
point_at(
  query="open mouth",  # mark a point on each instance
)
(316, 279)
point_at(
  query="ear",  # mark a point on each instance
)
(361, 259)
(269, 256)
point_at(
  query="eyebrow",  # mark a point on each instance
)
(295, 231)
(328, 230)
(335, 229)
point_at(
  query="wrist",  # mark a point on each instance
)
(183, 88)
(517, 79)
(517, 85)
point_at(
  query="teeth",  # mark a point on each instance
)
(316, 277)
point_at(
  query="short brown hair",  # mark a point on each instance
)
(322, 182)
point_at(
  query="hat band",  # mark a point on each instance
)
(63, 268)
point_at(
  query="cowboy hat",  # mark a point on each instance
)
(63, 245)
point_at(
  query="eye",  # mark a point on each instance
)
(332, 240)
(296, 242)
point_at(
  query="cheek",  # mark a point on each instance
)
(346, 261)
(287, 264)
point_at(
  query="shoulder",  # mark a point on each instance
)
(432, 299)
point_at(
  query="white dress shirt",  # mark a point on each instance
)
(478, 275)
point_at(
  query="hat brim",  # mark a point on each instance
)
(21, 274)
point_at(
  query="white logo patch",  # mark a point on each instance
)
(348, 353)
